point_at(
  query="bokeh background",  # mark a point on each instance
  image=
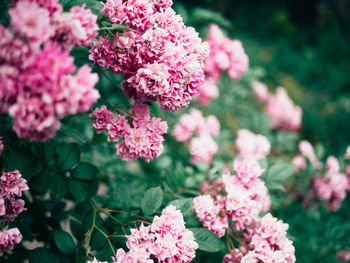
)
(302, 45)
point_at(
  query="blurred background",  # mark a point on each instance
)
(302, 45)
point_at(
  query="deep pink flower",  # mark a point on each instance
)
(35, 119)
(31, 21)
(13, 208)
(9, 238)
(103, 117)
(12, 184)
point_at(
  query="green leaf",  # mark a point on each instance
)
(41, 182)
(207, 240)
(77, 189)
(185, 205)
(43, 255)
(25, 162)
(64, 241)
(68, 156)
(84, 171)
(116, 27)
(152, 200)
(277, 175)
(45, 151)
(58, 186)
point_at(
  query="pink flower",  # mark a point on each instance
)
(12, 184)
(225, 54)
(166, 240)
(247, 170)
(162, 60)
(307, 150)
(203, 149)
(88, 22)
(140, 114)
(103, 117)
(299, 163)
(284, 113)
(343, 255)
(252, 146)
(261, 91)
(31, 21)
(13, 208)
(347, 153)
(2, 206)
(9, 238)
(323, 190)
(76, 93)
(208, 91)
(332, 164)
(118, 128)
(35, 119)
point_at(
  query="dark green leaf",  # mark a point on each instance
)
(58, 186)
(42, 255)
(77, 189)
(84, 171)
(68, 156)
(277, 175)
(64, 241)
(152, 200)
(207, 240)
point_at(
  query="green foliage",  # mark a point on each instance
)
(152, 200)
(207, 241)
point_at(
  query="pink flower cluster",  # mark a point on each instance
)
(12, 184)
(36, 82)
(284, 113)
(143, 137)
(165, 240)
(306, 151)
(203, 147)
(343, 255)
(332, 186)
(239, 198)
(225, 55)
(251, 145)
(161, 59)
(265, 242)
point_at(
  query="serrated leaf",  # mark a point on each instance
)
(84, 171)
(64, 241)
(152, 200)
(68, 156)
(207, 240)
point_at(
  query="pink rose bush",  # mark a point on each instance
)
(343, 255)
(251, 145)
(284, 113)
(233, 203)
(39, 82)
(328, 186)
(225, 55)
(203, 147)
(165, 240)
(161, 59)
(142, 137)
(12, 185)
(239, 198)
(1, 146)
